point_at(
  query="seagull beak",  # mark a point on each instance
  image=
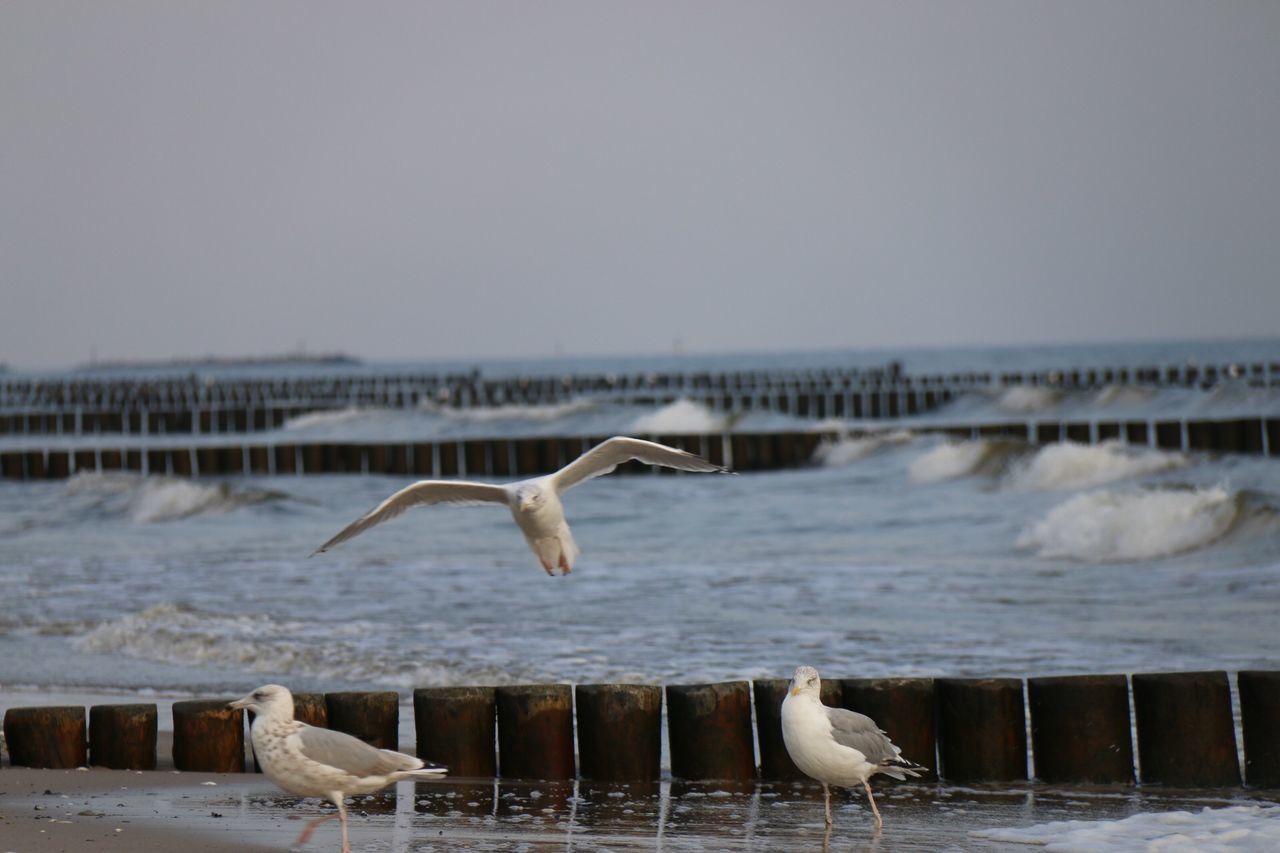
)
(243, 702)
(795, 691)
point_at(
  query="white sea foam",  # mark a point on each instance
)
(326, 417)
(150, 499)
(1110, 526)
(540, 412)
(1071, 465)
(1027, 398)
(682, 416)
(849, 449)
(325, 650)
(1233, 828)
(1123, 395)
(962, 458)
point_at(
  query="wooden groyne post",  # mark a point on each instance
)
(982, 729)
(1080, 729)
(1186, 734)
(123, 737)
(535, 731)
(455, 727)
(619, 732)
(50, 737)
(709, 731)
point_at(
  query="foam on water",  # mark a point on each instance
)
(849, 449)
(1234, 828)
(682, 416)
(1112, 526)
(1123, 395)
(1071, 465)
(326, 418)
(540, 413)
(962, 458)
(1022, 399)
(151, 499)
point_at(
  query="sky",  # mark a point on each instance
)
(428, 180)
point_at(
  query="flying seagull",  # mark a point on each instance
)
(534, 503)
(836, 746)
(314, 762)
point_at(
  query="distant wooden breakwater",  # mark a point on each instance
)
(525, 457)
(965, 730)
(195, 404)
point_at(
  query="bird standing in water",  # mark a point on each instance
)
(836, 746)
(314, 762)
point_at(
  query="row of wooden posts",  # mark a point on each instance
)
(964, 730)
(520, 457)
(177, 394)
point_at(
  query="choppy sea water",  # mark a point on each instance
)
(899, 554)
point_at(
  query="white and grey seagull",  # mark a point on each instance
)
(534, 503)
(836, 746)
(314, 762)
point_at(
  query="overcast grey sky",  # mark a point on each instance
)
(424, 179)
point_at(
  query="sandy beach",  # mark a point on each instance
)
(43, 811)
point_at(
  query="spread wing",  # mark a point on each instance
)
(860, 732)
(421, 492)
(607, 455)
(350, 754)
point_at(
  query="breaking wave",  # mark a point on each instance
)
(1123, 395)
(151, 499)
(1071, 465)
(342, 651)
(326, 417)
(1027, 398)
(849, 449)
(682, 416)
(989, 457)
(1142, 524)
(540, 412)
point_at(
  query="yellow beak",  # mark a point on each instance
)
(795, 691)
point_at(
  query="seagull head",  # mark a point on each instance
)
(805, 680)
(270, 700)
(530, 498)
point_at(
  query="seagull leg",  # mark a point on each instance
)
(342, 815)
(547, 567)
(826, 796)
(564, 563)
(871, 799)
(310, 828)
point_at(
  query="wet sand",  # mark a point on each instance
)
(71, 810)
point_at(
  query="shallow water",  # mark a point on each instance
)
(898, 554)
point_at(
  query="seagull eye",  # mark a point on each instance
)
(259, 696)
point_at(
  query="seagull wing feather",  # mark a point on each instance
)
(352, 755)
(607, 455)
(860, 732)
(421, 492)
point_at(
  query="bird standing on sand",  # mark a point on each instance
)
(534, 503)
(315, 762)
(835, 746)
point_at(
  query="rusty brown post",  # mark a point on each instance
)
(1186, 735)
(709, 731)
(775, 763)
(1260, 715)
(982, 729)
(208, 736)
(455, 727)
(123, 737)
(620, 731)
(906, 709)
(535, 731)
(1080, 729)
(48, 737)
(374, 717)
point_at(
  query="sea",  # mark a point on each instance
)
(894, 553)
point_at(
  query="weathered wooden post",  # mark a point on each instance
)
(1260, 716)
(1186, 735)
(709, 731)
(905, 708)
(620, 731)
(47, 737)
(1080, 728)
(208, 736)
(982, 729)
(535, 731)
(455, 727)
(123, 737)
(374, 717)
(768, 693)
